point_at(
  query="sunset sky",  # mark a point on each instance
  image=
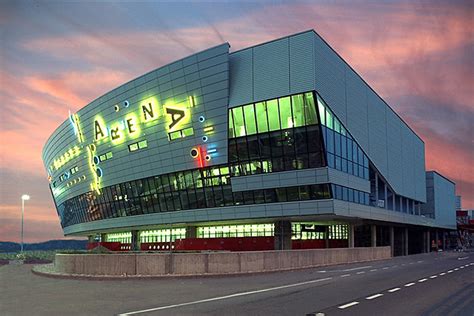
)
(58, 56)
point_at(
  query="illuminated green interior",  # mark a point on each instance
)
(272, 115)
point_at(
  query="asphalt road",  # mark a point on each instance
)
(428, 284)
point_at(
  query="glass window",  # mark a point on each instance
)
(238, 121)
(133, 147)
(262, 121)
(322, 112)
(337, 125)
(310, 109)
(142, 144)
(298, 110)
(188, 132)
(231, 125)
(286, 117)
(273, 115)
(250, 123)
(329, 120)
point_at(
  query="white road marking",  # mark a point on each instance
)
(358, 268)
(433, 277)
(373, 296)
(450, 271)
(322, 271)
(420, 261)
(373, 270)
(409, 284)
(348, 305)
(384, 268)
(345, 275)
(456, 269)
(394, 290)
(361, 272)
(422, 280)
(461, 267)
(412, 263)
(463, 258)
(441, 274)
(226, 297)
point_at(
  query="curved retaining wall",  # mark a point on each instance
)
(156, 264)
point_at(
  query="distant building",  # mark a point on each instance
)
(458, 203)
(277, 146)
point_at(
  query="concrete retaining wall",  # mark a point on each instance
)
(211, 263)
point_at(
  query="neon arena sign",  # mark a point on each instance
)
(176, 115)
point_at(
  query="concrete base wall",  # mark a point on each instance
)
(211, 263)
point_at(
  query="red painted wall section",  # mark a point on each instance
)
(229, 244)
(226, 244)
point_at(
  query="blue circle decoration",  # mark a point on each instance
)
(202, 118)
(96, 160)
(98, 171)
(204, 138)
(126, 103)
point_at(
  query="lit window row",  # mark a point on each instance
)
(162, 235)
(106, 156)
(181, 133)
(251, 230)
(125, 237)
(272, 115)
(308, 231)
(137, 146)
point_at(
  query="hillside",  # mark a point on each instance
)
(47, 245)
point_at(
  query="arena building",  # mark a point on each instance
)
(278, 146)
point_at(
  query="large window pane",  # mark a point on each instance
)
(273, 115)
(250, 123)
(298, 110)
(231, 125)
(238, 121)
(262, 121)
(285, 113)
(322, 111)
(310, 109)
(329, 120)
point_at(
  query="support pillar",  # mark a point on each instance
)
(444, 240)
(135, 240)
(103, 237)
(351, 235)
(282, 235)
(428, 241)
(90, 238)
(326, 237)
(392, 240)
(436, 240)
(373, 235)
(191, 231)
(405, 242)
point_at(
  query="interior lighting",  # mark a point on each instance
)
(191, 101)
(208, 129)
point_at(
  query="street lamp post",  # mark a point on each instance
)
(24, 197)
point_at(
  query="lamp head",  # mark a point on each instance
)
(25, 197)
